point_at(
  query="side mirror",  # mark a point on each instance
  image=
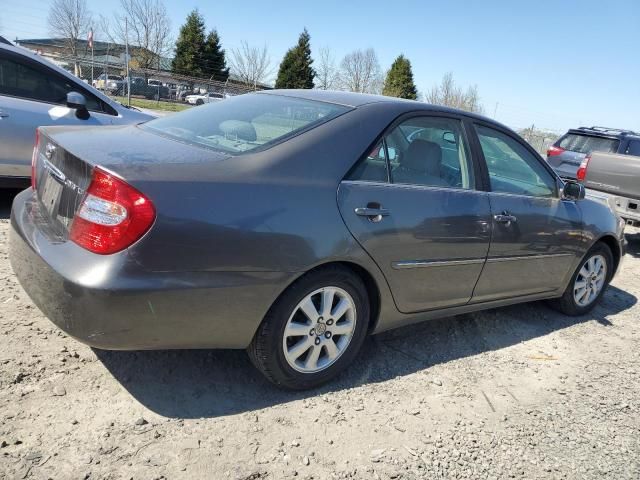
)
(77, 102)
(573, 190)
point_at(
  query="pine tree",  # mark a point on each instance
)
(214, 64)
(399, 81)
(296, 70)
(190, 46)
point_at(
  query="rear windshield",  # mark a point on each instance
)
(246, 122)
(586, 143)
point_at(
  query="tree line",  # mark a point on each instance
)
(197, 52)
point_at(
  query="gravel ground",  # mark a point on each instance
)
(517, 392)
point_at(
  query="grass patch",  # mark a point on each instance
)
(153, 105)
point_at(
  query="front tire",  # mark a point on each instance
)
(588, 283)
(314, 330)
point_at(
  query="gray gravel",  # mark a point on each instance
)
(518, 392)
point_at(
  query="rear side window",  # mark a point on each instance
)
(372, 168)
(246, 122)
(586, 143)
(633, 148)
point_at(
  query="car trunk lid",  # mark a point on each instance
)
(66, 156)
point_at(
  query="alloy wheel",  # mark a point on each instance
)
(319, 330)
(590, 280)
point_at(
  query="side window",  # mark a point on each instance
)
(430, 151)
(512, 168)
(373, 167)
(20, 79)
(633, 148)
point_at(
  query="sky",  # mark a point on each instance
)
(554, 64)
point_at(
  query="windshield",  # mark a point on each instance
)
(586, 143)
(246, 122)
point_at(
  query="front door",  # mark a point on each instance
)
(412, 205)
(536, 235)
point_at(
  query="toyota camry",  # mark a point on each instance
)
(295, 223)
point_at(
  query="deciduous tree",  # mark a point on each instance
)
(360, 72)
(251, 65)
(71, 21)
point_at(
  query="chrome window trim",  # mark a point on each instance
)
(523, 195)
(413, 186)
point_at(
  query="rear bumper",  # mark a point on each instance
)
(108, 302)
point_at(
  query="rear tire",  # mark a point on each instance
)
(297, 345)
(199, 102)
(588, 283)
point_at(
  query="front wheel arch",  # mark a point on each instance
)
(611, 242)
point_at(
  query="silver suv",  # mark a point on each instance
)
(34, 92)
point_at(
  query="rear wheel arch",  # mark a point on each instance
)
(373, 291)
(269, 353)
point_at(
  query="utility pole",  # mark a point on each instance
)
(495, 110)
(126, 58)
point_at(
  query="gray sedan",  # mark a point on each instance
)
(294, 223)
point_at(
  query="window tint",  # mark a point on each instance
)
(18, 79)
(246, 122)
(633, 148)
(372, 168)
(430, 151)
(512, 168)
(586, 143)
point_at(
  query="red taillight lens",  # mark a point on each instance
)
(582, 169)
(112, 215)
(34, 159)
(553, 151)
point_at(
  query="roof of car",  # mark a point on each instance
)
(603, 132)
(353, 99)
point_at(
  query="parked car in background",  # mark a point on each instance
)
(139, 87)
(34, 92)
(109, 83)
(615, 178)
(566, 154)
(202, 98)
(278, 222)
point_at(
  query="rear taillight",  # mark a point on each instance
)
(553, 151)
(582, 169)
(34, 159)
(111, 216)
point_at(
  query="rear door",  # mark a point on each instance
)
(32, 95)
(536, 234)
(412, 204)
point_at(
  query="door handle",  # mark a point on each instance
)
(3, 114)
(374, 214)
(505, 217)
